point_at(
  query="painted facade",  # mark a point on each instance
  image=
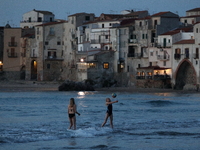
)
(36, 17)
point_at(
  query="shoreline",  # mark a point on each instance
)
(53, 86)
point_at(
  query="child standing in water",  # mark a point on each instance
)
(71, 112)
(109, 110)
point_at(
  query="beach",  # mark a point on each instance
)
(21, 85)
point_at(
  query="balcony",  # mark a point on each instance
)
(12, 44)
(12, 55)
(164, 45)
(154, 77)
(140, 77)
(54, 58)
(177, 56)
(33, 56)
(132, 41)
(163, 57)
(135, 55)
(186, 56)
(196, 56)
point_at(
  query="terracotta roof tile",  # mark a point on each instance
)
(159, 14)
(190, 41)
(195, 9)
(184, 29)
(51, 23)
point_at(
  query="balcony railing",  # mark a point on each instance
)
(12, 44)
(134, 41)
(177, 56)
(53, 58)
(164, 45)
(163, 57)
(12, 55)
(33, 56)
(196, 56)
(154, 77)
(186, 56)
(135, 55)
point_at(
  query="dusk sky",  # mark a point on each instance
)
(11, 11)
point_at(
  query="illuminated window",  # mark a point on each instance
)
(92, 65)
(105, 65)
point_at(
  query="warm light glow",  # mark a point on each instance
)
(81, 93)
(1, 64)
(34, 63)
(82, 60)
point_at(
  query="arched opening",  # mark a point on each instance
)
(185, 75)
(33, 70)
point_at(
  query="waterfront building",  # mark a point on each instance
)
(186, 65)
(157, 66)
(36, 17)
(192, 17)
(14, 54)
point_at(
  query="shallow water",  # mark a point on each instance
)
(142, 121)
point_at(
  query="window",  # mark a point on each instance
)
(142, 36)
(46, 43)
(105, 65)
(164, 63)
(140, 23)
(51, 31)
(197, 30)
(38, 31)
(125, 31)
(92, 65)
(58, 43)
(186, 52)
(155, 22)
(12, 53)
(102, 25)
(48, 66)
(87, 18)
(197, 53)
(106, 37)
(39, 19)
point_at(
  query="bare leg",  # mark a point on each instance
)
(71, 123)
(74, 122)
(111, 121)
(106, 118)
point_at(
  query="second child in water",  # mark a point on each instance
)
(109, 112)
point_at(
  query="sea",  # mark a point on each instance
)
(38, 120)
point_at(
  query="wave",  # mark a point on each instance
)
(90, 132)
(19, 136)
(160, 103)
